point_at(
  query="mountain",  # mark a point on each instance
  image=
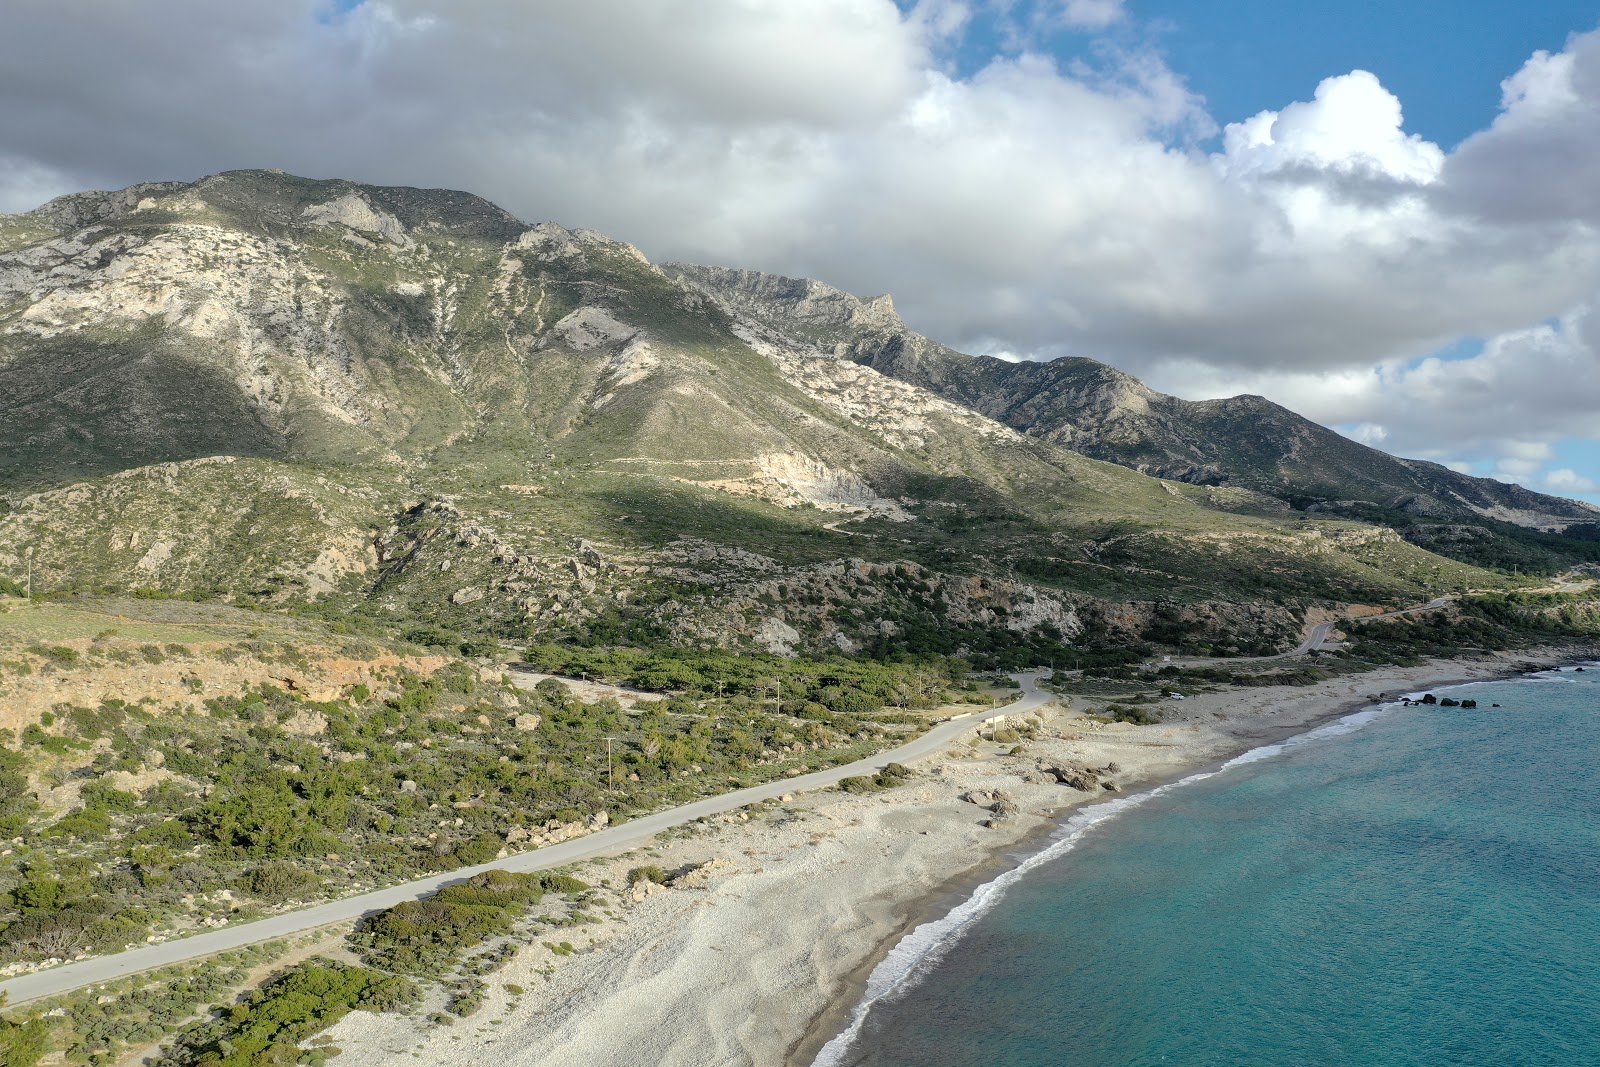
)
(407, 406)
(1242, 441)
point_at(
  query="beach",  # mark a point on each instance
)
(757, 951)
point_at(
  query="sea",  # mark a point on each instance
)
(1404, 886)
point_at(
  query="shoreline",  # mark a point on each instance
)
(833, 1019)
(762, 951)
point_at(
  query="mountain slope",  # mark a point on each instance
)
(1245, 441)
(437, 412)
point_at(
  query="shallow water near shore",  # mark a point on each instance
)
(1404, 887)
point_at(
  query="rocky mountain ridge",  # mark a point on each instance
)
(408, 404)
(1099, 411)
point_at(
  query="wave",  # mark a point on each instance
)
(920, 950)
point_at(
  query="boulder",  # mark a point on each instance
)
(1082, 780)
(696, 875)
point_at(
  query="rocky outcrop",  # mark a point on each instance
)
(1084, 779)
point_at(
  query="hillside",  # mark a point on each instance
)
(1244, 441)
(407, 406)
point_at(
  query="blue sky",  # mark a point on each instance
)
(1440, 57)
(1443, 58)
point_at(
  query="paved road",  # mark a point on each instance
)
(1319, 632)
(1314, 640)
(604, 842)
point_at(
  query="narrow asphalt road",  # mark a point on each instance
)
(1316, 639)
(604, 842)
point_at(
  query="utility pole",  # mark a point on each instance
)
(611, 779)
(30, 572)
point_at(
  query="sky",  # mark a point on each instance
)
(1383, 215)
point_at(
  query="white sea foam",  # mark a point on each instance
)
(920, 950)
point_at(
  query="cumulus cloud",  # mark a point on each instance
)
(1316, 255)
(1566, 481)
(1539, 162)
(1352, 126)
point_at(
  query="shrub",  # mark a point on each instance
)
(564, 884)
(426, 936)
(480, 849)
(649, 873)
(89, 824)
(1136, 716)
(278, 880)
(268, 1026)
(23, 1044)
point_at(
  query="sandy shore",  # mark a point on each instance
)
(757, 958)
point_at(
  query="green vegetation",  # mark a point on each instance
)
(807, 687)
(101, 1024)
(428, 937)
(1476, 624)
(263, 798)
(266, 1027)
(648, 873)
(23, 1044)
(892, 775)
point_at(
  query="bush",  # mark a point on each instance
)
(89, 824)
(481, 849)
(650, 873)
(427, 936)
(268, 1026)
(278, 880)
(23, 1044)
(564, 884)
(1136, 716)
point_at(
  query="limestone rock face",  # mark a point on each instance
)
(354, 211)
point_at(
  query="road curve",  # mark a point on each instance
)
(1314, 640)
(604, 842)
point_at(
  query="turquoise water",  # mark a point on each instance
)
(1416, 887)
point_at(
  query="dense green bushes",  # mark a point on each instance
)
(892, 775)
(842, 686)
(1477, 623)
(23, 1044)
(278, 880)
(265, 1029)
(429, 936)
(16, 802)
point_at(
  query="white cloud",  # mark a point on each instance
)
(1352, 126)
(1539, 162)
(1091, 13)
(1369, 433)
(1566, 481)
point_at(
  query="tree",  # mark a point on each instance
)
(23, 1044)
